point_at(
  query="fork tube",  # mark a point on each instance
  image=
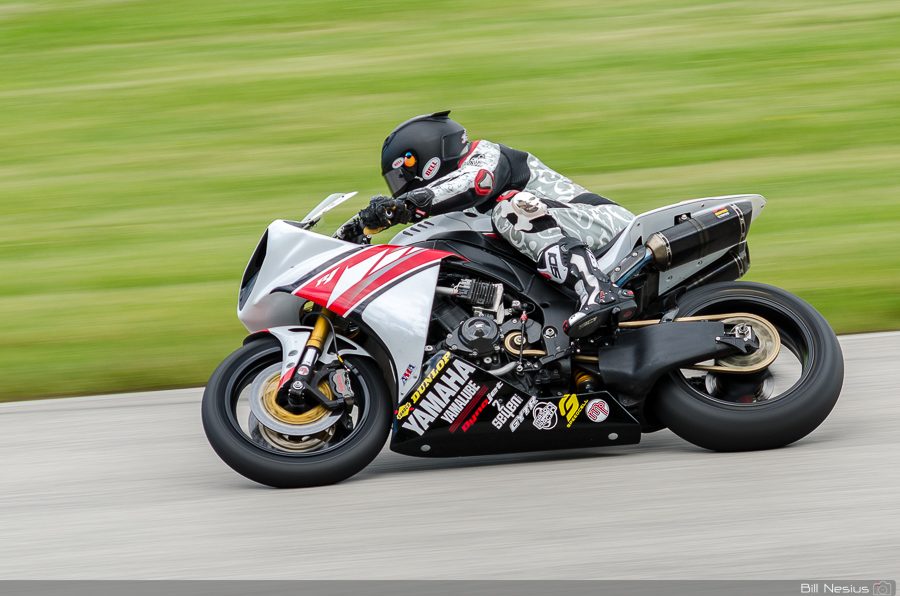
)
(320, 330)
(314, 346)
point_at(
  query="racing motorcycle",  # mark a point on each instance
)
(450, 341)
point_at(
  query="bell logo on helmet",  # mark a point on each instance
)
(397, 163)
(431, 168)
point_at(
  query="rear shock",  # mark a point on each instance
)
(585, 382)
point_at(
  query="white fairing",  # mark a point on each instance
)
(291, 252)
(469, 220)
(401, 316)
(389, 289)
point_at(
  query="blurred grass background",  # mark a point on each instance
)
(145, 145)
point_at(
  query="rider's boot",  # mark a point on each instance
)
(570, 263)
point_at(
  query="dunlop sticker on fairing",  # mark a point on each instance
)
(436, 368)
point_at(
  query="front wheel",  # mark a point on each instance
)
(765, 409)
(325, 447)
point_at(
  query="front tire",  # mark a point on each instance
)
(242, 449)
(738, 421)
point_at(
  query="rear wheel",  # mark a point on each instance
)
(295, 449)
(772, 407)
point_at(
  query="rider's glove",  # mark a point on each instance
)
(383, 212)
(418, 203)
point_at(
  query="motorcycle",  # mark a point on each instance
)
(450, 341)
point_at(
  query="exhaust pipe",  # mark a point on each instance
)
(729, 267)
(700, 236)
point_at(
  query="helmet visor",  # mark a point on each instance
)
(397, 181)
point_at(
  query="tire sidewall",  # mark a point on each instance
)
(290, 471)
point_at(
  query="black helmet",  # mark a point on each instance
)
(420, 150)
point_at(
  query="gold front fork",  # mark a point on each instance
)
(320, 330)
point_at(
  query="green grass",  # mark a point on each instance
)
(144, 146)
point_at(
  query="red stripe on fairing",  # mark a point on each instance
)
(286, 377)
(348, 300)
(387, 263)
(319, 288)
(471, 149)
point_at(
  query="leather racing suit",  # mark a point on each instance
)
(544, 215)
(532, 207)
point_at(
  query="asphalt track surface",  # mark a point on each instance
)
(126, 487)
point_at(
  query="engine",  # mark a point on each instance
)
(477, 321)
(470, 313)
(480, 336)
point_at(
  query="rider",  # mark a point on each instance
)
(431, 168)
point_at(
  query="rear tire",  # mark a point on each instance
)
(720, 425)
(255, 460)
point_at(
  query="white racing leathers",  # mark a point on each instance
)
(533, 207)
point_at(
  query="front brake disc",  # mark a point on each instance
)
(274, 417)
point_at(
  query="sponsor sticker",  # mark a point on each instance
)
(431, 168)
(407, 374)
(570, 408)
(465, 417)
(720, 213)
(458, 405)
(597, 410)
(454, 395)
(453, 380)
(544, 417)
(438, 366)
(397, 163)
(520, 417)
(507, 410)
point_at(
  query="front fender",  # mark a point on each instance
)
(293, 339)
